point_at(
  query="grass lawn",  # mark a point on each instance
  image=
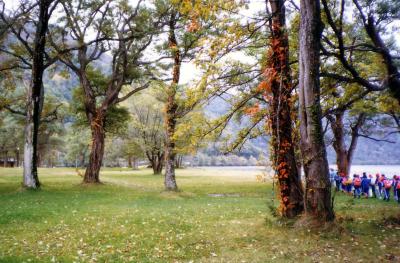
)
(219, 216)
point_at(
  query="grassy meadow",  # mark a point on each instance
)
(218, 216)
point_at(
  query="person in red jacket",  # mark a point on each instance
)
(387, 185)
(357, 186)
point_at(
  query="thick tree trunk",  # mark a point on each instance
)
(318, 203)
(291, 191)
(97, 151)
(170, 112)
(170, 181)
(35, 98)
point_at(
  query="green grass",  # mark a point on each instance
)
(131, 219)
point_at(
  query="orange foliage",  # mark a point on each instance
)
(194, 24)
(264, 87)
(253, 110)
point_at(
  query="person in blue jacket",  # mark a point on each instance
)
(338, 181)
(365, 182)
(398, 189)
(379, 184)
(395, 182)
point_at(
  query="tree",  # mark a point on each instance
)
(371, 16)
(182, 40)
(37, 56)
(133, 153)
(344, 154)
(77, 146)
(189, 135)
(352, 70)
(171, 106)
(146, 128)
(123, 31)
(11, 136)
(318, 203)
(278, 82)
(264, 97)
(189, 25)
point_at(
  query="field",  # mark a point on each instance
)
(218, 216)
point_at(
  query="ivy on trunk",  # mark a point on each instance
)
(278, 82)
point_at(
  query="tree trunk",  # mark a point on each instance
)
(157, 167)
(339, 144)
(97, 150)
(170, 181)
(154, 167)
(354, 138)
(159, 164)
(156, 162)
(35, 98)
(135, 163)
(178, 161)
(291, 191)
(318, 203)
(170, 112)
(82, 159)
(344, 155)
(17, 157)
(129, 161)
(5, 161)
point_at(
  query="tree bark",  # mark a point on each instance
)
(135, 163)
(17, 157)
(339, 144)
(170, 111)
(354, 137)
(156, 161)
(97, 150)
(5, 161)
(178, 161)
(291, 190)
(318, 203)
(158, 165)
(344, 155)
(35, 98)
(129, 161)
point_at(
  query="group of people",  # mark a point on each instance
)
(379, 186)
